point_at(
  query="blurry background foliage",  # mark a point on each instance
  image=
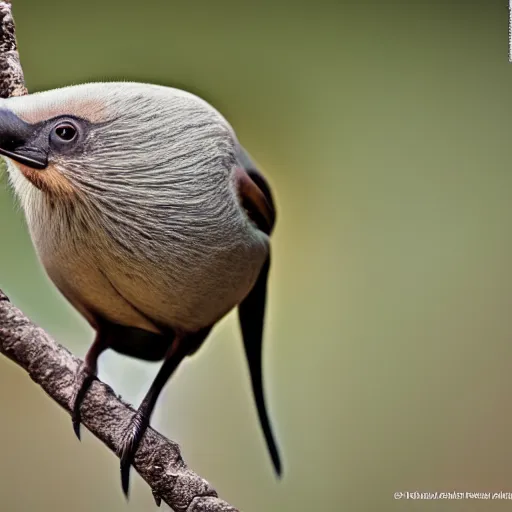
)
(384, 131)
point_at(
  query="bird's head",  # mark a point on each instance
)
(109, 140)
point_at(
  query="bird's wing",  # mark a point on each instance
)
(255, 194)
(257, 199)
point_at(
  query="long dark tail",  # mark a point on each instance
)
(251, 314)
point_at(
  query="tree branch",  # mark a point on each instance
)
(53, 367)
(12, 82)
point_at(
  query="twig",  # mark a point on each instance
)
(53, 367)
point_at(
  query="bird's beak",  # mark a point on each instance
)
(19, 141)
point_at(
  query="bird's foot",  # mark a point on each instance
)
(132, 438)
(83, 380)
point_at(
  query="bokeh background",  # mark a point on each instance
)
(384, 129)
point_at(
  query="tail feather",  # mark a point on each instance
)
(251, 314)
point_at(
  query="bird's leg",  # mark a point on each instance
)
(84, 378)
(179, 349)
(140, 421)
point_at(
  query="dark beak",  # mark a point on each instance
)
(19, 141)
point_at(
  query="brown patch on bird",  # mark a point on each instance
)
(91, 109)
(253, 201)
(48, 180)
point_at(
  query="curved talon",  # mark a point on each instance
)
(76, 424)
(79, 398)
(85, 375)
(125, 474)
(156, 497)
(135, 433)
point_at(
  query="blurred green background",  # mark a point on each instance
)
(384, 131)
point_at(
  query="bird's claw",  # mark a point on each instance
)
(157, 498)
(131, 441)
(83, 381)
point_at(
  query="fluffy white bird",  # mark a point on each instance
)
(150, 218)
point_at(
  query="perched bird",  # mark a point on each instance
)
(152, 221)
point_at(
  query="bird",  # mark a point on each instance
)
(153, 222)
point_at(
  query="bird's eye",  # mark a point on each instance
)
(66, 132)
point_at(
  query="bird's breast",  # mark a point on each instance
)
(174, 278)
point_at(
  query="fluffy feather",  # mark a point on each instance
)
(155, 234)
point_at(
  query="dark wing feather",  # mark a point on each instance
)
(251, 311)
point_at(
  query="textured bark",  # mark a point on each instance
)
(53, 367)
(50, 365)
(12, 82)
